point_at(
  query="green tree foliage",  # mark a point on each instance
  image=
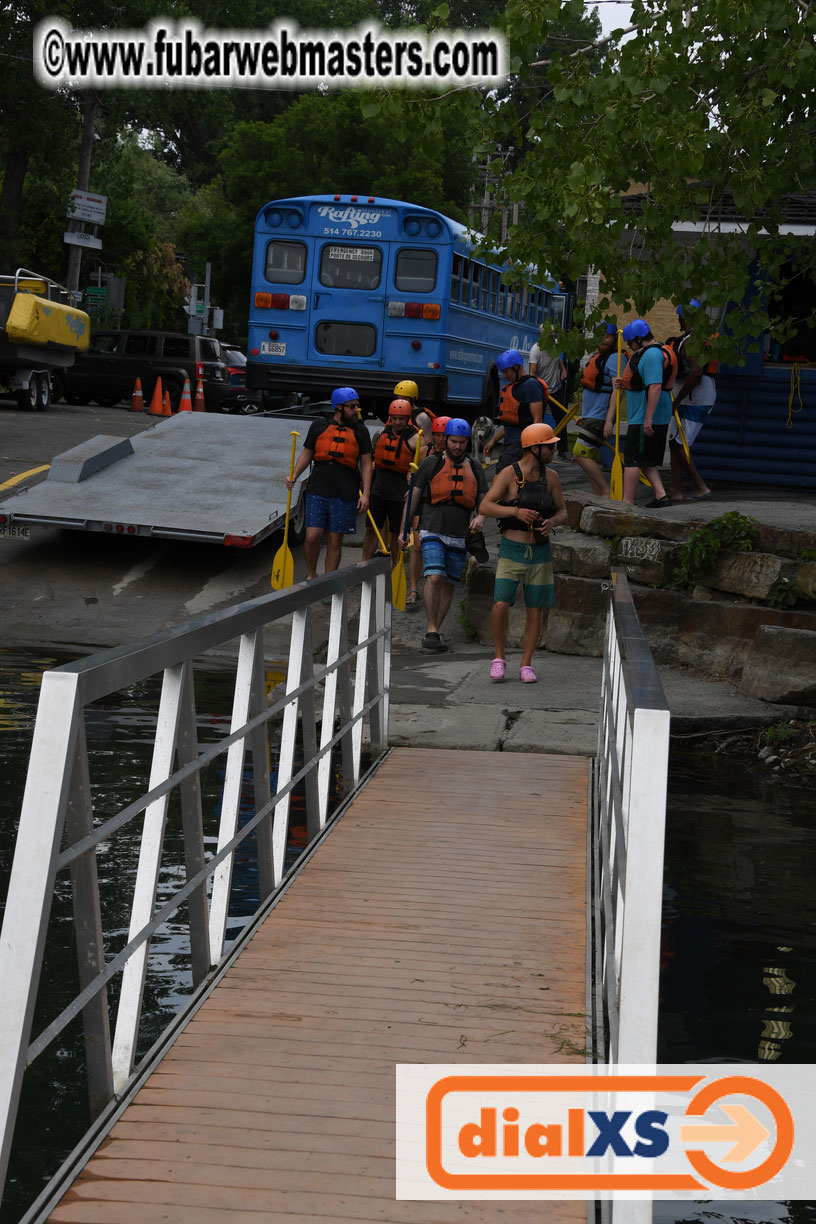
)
(703, 104)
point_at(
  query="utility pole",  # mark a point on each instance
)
(90, 102)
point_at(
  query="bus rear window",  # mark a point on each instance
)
(345, 339)
(350, 267)
(285, 262)
(415, 271)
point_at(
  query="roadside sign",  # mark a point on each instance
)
(80, 238)
(87, 206)
(96, 293)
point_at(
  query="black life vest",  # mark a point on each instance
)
(530, 495)
(632, 379)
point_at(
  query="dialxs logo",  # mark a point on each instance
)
(589, 1132)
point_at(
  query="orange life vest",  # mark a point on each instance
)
(594, 374)
(632, 379)
(392, 451)
(456, 483)
(337, 443)
(511, 411)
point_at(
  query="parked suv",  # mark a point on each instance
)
(107, 372)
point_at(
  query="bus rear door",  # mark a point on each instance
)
(348, 304)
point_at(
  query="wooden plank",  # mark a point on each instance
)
(442, 920)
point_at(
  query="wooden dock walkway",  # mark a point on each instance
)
(442, 920)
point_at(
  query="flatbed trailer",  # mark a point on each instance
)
(195, 476)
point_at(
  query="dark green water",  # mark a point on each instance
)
(739, 935)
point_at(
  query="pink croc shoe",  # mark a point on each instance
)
(527, 675)
(497, 668)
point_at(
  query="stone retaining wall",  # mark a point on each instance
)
(719, 629)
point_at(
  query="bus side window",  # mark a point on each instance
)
(494, 292)
(474, 285)
(456, 278)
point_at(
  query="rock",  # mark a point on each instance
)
(576, 624)
(750, 574)
(784, 541)
(806, 579)
(575, 553)
(781, 666)
(603, 521)
(648, 560)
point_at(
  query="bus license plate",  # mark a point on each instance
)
(273, 348)
(15, 533)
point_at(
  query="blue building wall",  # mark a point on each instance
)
(759, 431)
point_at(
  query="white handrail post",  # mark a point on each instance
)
(231, 796)
(192, 824)
(147, 878)
(31, 886)
(259, 747)
(286, 758)
(361, 674)
(640, 950)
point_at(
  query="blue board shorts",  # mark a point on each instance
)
(340, 517)
(443, 557)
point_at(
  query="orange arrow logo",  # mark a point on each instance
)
(745, 1131)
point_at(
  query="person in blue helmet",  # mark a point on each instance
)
(447, 492)
(694, 398)
(598, 403)
(340, 453)
(648, 410)
(521, 403)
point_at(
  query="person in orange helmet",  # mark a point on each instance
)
(527, 500)
(394, 452)
(435, 446)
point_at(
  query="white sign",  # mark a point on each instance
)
(359, 254)
(85, 206)
(80, 238)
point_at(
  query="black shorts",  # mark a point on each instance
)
(641, 449)
(391, 511)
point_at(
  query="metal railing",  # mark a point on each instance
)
(58, 832)
(629, 820)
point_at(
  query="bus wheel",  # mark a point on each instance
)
(490, 395)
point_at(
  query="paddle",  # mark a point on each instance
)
(616, 476)
(681, 431)
(399, 586)
(283, 564)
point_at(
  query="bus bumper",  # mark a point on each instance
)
(373, 386)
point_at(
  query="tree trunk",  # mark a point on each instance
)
(10, 201)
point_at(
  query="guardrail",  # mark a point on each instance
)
(629, 829)
(58, 833)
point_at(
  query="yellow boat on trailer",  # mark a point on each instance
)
(41, 330)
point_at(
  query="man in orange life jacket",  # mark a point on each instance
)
(693, 400)
(448, 490)
(521, 403)
(598, 404)
(394, 452)
(435, 445)
(340, 451)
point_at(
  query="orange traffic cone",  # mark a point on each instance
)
(199, 405)
(186, 404)
(137, 399)
(157, 400)
(168, 411)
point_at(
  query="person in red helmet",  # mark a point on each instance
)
(394, 452)
(435, 445)
(527, 500)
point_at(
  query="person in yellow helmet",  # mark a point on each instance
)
(527, 500)
(421, 418)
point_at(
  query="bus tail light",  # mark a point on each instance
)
(414, 310)
(263, 300)
(297, 301)
(279, 301)
(416, 344)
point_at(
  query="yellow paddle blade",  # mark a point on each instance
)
(399, 588)
(616, 478)
(283, 569)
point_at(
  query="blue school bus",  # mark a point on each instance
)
(362, 291)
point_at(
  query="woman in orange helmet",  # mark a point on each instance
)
(527, 500)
